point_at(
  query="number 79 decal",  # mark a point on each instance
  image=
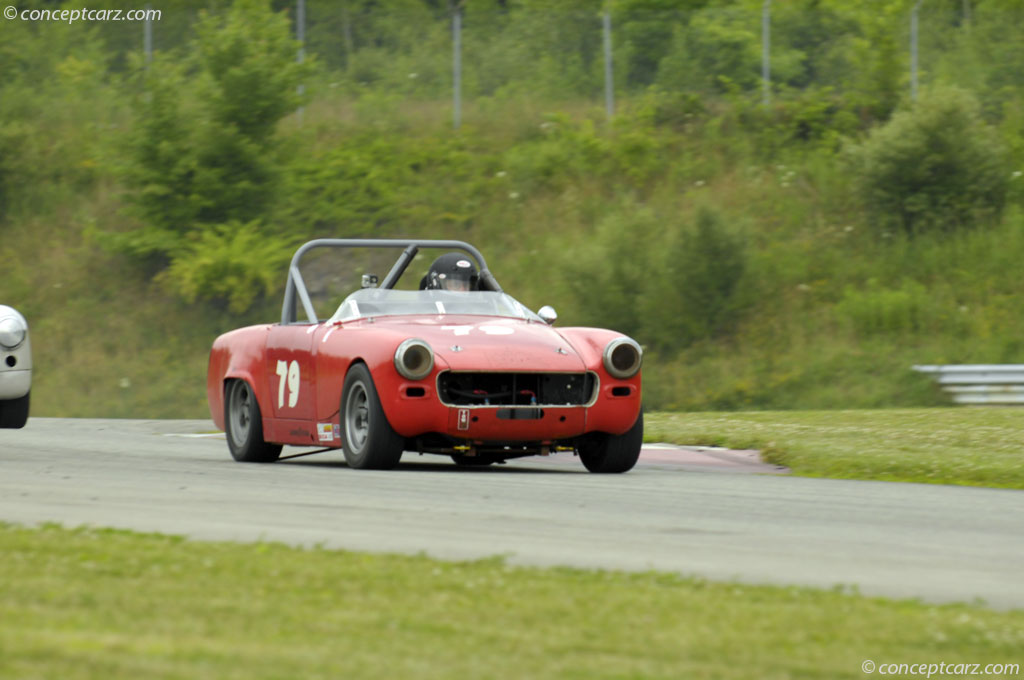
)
(288, 373)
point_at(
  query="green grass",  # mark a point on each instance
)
(968, 446)
(111, 604)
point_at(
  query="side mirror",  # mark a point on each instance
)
(548, 314)
(370, 281)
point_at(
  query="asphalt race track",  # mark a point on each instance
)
(706, 513)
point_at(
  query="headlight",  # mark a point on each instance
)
(622, 358)
(12, 332)
(414, 359)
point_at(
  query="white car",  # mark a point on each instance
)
(15, 368)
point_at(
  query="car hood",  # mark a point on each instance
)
(475, 343)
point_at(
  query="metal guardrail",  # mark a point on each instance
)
(980, 383)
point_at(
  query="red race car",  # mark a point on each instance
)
(453, 367)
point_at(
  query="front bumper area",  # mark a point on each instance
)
(15, 384)
(416, 411)
(521, 424)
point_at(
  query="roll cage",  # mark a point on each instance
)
(295, 288)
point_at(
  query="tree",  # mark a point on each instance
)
(204, 154)
(936, 166)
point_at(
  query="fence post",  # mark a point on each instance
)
(913, 50)
(300, 35)
(346, 33)
(766, 53)
(147, 34)
(457, 64)
(609, 84)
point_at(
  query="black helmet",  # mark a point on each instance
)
(451, 271)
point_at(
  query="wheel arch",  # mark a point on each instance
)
(246, 377)
(377, 445)
(352, 363)
(237, 354)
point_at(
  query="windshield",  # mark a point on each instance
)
(381, 302)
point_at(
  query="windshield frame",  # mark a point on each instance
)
(380, 302)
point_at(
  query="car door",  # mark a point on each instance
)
(291, 377)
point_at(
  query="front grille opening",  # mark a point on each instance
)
(515, 389)
(621, 391)
(415, 392)
(521, 414)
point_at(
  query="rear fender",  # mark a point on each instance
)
(235, 356)
(217, 405)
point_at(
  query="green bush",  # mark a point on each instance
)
(716, 51)
(248, 60)
(12, 137)
(49, 150)
(694, 296)
(935, 167)
(877, 310)
(813, 115)
(237, 263)
(160, 170)
(563, 151)
(668, 285)
(198, 164)
(371, 183)
(547, 49)
(610, 276)
(660, 107)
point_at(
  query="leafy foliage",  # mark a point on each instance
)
(703, 275)
(162, 171)
(934, 167)
(373, 183)
(252, 76)
(882, 311)
(233, 262)
(610, 279)
(714, 51)
(668, 283)
(200, 172)
(11, 141)
(46, 148)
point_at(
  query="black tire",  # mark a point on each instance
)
(14, 412)
(608, 453)
(243, 425)
(368, 441)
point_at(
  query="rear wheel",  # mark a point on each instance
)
(244, 426)
(14, 412)
(368, 441)
(601, 452)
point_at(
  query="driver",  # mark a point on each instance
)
(451, 271)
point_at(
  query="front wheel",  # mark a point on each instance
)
(601, 452)
(368, 441)
(14, 412)
(244, 426)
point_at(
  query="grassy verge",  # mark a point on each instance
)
(106, 604)
(969, 446)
